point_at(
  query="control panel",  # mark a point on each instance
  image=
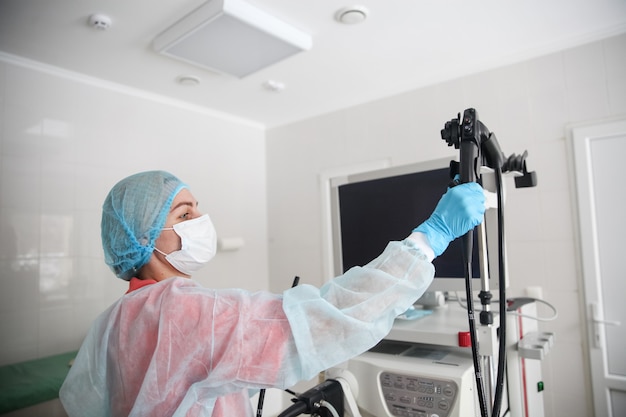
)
(401, 379)
(416, 396)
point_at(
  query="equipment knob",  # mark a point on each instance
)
(465, 339)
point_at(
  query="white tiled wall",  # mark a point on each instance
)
(529, 106)
(65, 140)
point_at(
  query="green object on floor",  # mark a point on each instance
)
(32, 382)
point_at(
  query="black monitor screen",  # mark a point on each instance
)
(374, 212)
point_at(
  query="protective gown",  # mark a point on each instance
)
(175, 348)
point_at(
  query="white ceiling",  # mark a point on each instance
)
(403, 45)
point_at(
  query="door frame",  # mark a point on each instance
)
(580, 138)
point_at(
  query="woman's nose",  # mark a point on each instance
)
(196, 213)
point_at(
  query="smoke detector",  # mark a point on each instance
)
(99, 21)
(351, 15)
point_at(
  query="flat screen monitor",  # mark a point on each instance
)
(370, 209)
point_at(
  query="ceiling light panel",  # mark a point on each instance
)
(231, 37)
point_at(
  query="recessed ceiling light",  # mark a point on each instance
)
(273, 85)
(351, 15)
(231, 37)
(188, 80)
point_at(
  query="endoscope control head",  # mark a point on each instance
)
(451, 132)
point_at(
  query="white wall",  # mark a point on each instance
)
(528, 106)
(65, 140)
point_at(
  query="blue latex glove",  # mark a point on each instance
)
(460, 209)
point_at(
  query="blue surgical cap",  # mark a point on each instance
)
(133, 215)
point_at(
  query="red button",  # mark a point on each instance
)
(465, 340)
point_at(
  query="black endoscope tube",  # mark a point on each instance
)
(497, 400)
(259, 408)
(469, 147)
(495, 158)
(472, 329)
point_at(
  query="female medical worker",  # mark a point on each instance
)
(170, 347)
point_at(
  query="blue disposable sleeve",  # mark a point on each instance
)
(353, 312)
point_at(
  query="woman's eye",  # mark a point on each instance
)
(184, 216)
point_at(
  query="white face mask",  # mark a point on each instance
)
(199, 244)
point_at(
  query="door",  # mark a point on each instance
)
(599, 161)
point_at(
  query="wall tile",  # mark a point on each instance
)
(20, 285)
(87, 242)
(57, 185)
(21, 182)
(587, 94)
(524, 219)
(23, 122)
(550, 160)
(21, 237)
(557, 214)
(19, 331)
(561, 269)
(54, 281)
(547, 91)
(563, 356)
(55, 331)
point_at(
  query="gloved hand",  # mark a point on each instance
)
(460, 209)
